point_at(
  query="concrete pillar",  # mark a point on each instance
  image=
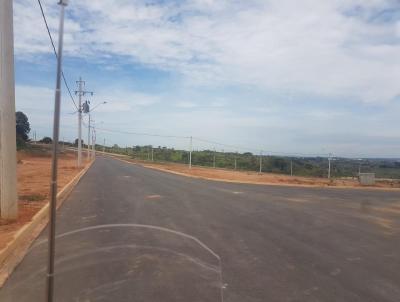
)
(8, 157)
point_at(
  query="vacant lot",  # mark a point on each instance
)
(259, 178)
(34, 186)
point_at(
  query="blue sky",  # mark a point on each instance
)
(305, 76)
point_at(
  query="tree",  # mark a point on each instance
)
(46, 140)
(22, 128)
(22, 125)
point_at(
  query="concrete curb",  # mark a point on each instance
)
(14, 252)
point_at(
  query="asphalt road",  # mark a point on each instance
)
(275, 243)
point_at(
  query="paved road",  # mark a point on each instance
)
(275, 243)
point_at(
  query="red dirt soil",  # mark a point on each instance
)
(261, 178)
(34, 173)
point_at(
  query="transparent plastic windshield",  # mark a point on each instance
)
(121, 262)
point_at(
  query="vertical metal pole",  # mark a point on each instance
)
(190, 152)
(329, 166)
(8, 155)
(261, 162)
(93, 142)
(53, 189)
(88, 139)
(104, 145)
(236, 161)
(291, 167)
(80, 124)
(214, 159)
(152, 153)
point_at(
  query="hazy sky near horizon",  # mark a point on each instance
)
(305, 76)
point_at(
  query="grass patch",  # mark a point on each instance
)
(32, 197)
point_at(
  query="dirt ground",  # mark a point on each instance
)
(263, 178)
(34, 187)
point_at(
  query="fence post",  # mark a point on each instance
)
(190, 152)
(291, 167)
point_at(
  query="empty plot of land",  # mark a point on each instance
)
(260, 178)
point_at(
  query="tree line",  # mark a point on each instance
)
(247, 161)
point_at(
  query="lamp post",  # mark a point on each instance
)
(86, 109)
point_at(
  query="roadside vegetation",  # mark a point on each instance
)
(301, 166)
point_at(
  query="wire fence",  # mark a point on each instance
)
(301, 164)
(214, 154)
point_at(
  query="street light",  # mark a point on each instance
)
(105, 102)
(88, 110)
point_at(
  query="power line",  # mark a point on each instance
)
(142, 133)
(55, 53)
(223, 145)
(265, 152)
(256, 150)
(214, 143)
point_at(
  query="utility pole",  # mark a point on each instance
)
(88, 139)
(329, 165)
(93, 143)
(214, 159)
(8, 155)
(291, 167)
(104, 145)
(261, 162)
(190, 152)
(53, 188)
(80, 82)
(81, 92)
(236, 161)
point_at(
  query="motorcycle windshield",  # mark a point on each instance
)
(121, 262)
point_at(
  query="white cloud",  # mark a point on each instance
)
(325, 48)
(262, 58)
(186, 104)
(119, 100)
(34, 97)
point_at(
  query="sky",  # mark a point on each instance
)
(277, 76)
